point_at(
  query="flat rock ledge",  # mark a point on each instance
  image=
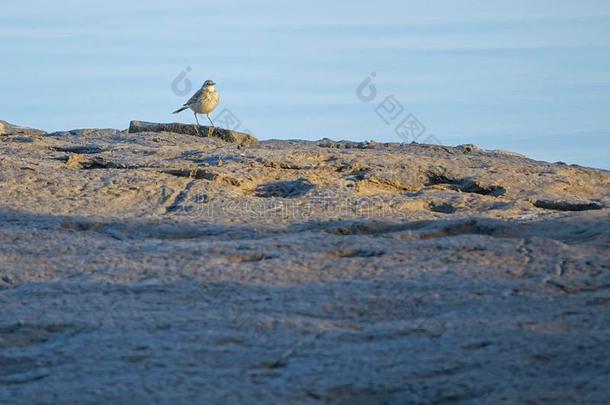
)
(190, 129)
(6, 128)
(568, 205)
(156, 266)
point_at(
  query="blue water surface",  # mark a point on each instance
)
(528, 76)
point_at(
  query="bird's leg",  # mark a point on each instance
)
(197, 120)
(213, 127)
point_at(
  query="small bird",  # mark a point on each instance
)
(204, 101)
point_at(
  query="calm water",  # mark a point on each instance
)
(533, 77)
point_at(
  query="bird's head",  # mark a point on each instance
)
(209, 83)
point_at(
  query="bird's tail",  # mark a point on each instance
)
(180, 109)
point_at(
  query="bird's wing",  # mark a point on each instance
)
(195, 97)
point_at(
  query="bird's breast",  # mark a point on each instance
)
(209, 101)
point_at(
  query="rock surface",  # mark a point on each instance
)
(203, 131)
(8, 129)
(158, 267)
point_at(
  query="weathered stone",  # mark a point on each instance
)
(81, 149)
(6, 128)
(469, 148)
(188, 129)
(87, 132)
(501, 152)
(329, 143)
(208, 263)
(77, 161)
(564, 205)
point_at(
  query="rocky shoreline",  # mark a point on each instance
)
(147, 265)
